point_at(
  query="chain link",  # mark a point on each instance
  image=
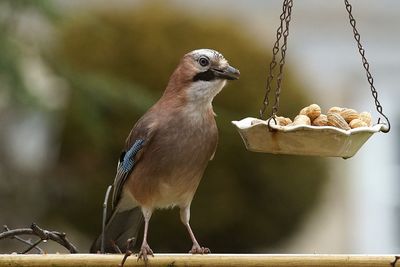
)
(283, 29)
(275, 108)
(365, 64)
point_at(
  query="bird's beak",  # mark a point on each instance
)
(228, 73)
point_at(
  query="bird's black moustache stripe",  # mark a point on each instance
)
(207, 75)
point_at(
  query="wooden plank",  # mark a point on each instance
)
(218, 260)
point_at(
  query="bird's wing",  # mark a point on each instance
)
(126, 164)
(135, 147)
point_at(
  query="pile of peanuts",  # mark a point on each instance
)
(343, 118)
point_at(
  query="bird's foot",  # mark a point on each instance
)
(196, 249)
(145, 250)
(128, 252)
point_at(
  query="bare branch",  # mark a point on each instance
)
(32, 246)
(44, 235)
(27, 242)
(105, 204)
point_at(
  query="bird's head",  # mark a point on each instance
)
(201, 75)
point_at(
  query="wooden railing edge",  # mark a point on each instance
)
(221, 260)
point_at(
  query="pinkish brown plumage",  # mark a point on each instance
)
(179, 136)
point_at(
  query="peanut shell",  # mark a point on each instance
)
(334, 119)
(357, 123)
(313, 111)
(321, 120)
(301, 120)
(349, 114)
(303, 111)
(335, 110)
(366, 117)
(283, 121)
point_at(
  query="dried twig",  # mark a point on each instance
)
(26, 242)
(105, 204)
(44, 235)
(32, 246)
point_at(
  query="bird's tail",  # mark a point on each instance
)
(121, 226)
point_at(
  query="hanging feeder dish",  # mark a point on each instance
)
(334, 139)
(326, 141)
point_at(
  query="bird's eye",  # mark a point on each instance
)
(203, 61)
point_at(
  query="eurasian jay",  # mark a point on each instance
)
(167, 151)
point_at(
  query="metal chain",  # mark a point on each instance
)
(365, 63)
(275, 108)
(283, 29)
(286, 13)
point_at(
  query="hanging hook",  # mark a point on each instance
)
(273, 117)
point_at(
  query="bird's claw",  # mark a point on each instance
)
(196, 249)
(145, 250)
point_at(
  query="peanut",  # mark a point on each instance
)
(321, 120)
(283, 121)
(357, 123)
(335, 110)
(334, 119)
(301, 120)
(349, 114)
(366, 117)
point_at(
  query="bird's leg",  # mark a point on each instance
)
(145, 248)
(185, 217)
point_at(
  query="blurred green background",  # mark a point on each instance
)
(73, 85)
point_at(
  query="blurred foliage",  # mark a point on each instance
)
(12, 83)
(21, 187)
(117, 63)
(15, 91)
(44, 7)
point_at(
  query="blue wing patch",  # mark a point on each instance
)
(127, 160)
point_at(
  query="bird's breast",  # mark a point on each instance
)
(175, 160)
